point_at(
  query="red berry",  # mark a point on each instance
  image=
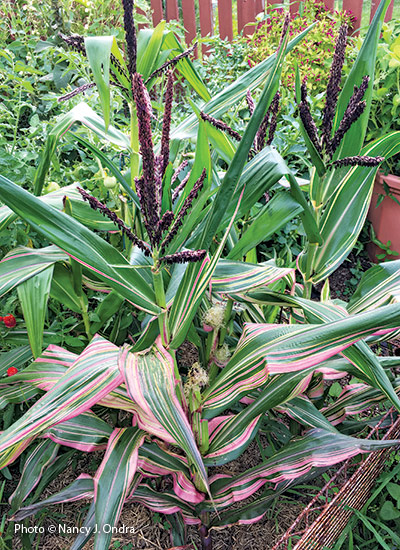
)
(11, 371)
(1, 318)
(9, 321)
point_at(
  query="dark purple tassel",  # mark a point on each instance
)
(100, 207)
(348, 119)
(180, 187)
(358, 161)
(168, 97)
(184, 257)
(250, 102)
(76, 42)
(178, 171)
(184, 210)
(149, 198)
(221, 126)
(333, 88)
(130, 35)
(168, 64)
(80, 90)
(274, 118)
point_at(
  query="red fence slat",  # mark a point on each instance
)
(157, 15)
(259, 4)
(330, 4)
(189, 20)
(355, 6)
(172, 10)
(225, 19)
(294, 8)
(206, 20)
(272, 2)
(374, 7)
(246, 14)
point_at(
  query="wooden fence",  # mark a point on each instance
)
(185, 11)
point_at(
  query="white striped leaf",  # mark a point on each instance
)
(113, 480)
(94, 375)
(150, 381)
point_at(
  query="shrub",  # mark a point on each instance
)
(313, 55)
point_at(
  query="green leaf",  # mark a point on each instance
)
(40, 458)
(230, 185)
(230, 96)
(63, 290)
(113, 479)
(85, 115)
(21, 264)
(82, 245)
(185, 66)
(277, 212)
(147, 60)
(98, 51)
(33, 295)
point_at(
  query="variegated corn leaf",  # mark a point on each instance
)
(150, 381)
(231, 277)
(82, 245)
(354, 399)
(268, 349)
(363, 363)
(165, 503)
(21, 264)
(318, 448)
(94, 375)
(379, 285)
(40, 457)
(85, 432)
(113, 480)
(81, 488)
(345, 212)
(155, 461)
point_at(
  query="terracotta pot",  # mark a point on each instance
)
(385, 218)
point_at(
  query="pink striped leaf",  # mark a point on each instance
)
(82, 245)
(254, 511)
(165, 503)
(379, 286)
(150, 381)
(354, 399)
(318, 448)
(113, 480)
(21, 264)
(278, 390)
(232, 276)
(81, 488)
(191, 289)
(268, 349)
(85, 432)
(228, 439)
(93, 375)
(16, 394)
(155, 461)
(39, 458)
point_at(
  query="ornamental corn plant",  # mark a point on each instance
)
(182, 266)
